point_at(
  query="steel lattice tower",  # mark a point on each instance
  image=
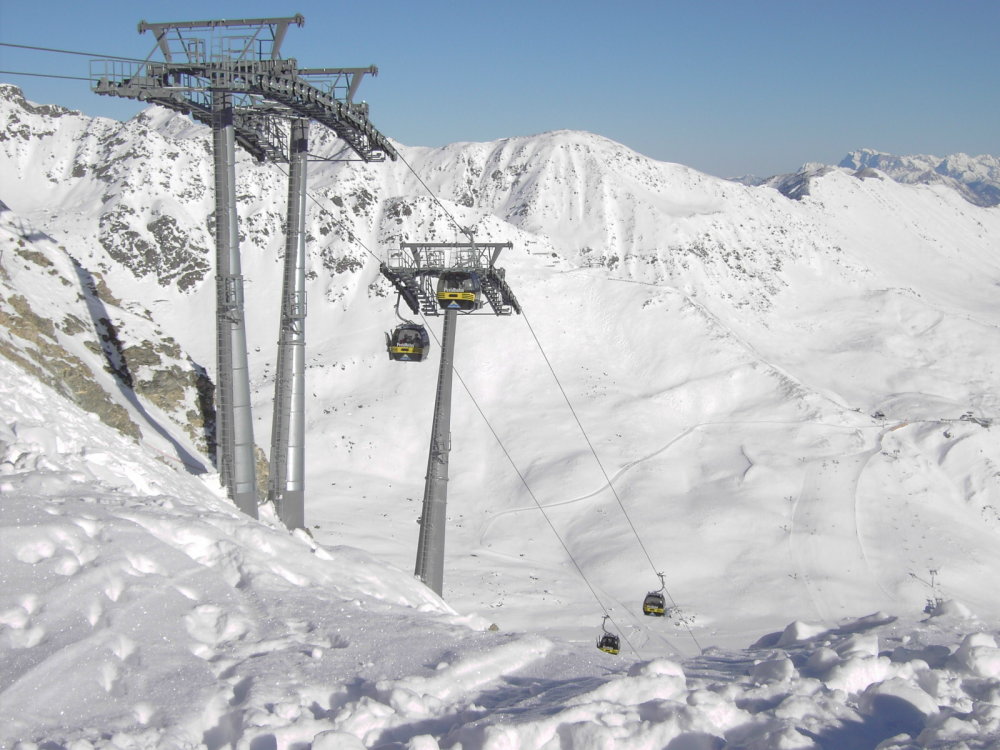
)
(230, 75)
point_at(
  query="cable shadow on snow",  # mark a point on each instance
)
(117, 363)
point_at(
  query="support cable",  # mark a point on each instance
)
(531, 493)
(541, 508)
(604, 472)
(71, 52)
(576, 417)
(42, 75)
(467, 232)
(338, 222)
(489, 425)
(562, 390)
(590, 445)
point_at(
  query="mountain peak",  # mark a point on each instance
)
(11, 93)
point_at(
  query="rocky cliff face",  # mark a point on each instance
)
(61, 323)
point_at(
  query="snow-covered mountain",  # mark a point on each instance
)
(792, 399)
(976, 178)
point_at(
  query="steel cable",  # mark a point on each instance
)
(576, 417)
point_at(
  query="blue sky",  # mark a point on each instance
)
(728, 87)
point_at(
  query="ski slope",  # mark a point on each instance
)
(139, 609)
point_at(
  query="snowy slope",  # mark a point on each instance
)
(134, 596)
(140, 610)
(63, 324)
(792, 400)
(752, 321)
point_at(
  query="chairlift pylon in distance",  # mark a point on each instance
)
(459, 290)
(408, 342)
(654, 604)
(608, 641)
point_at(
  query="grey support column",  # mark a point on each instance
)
(234, 422)
(430, 549)
(286, 480)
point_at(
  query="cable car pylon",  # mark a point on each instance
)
(408, 288)
(286, 473)
(229, 74)
(434, 279)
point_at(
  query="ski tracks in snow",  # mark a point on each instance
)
(604, 485)
(826, 541)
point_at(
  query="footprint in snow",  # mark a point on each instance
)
(142, 566)
(107, 675)
(64, 546)
(93, 612)
(27, 638)
(143, 712)
(212, 625)
(91, 527)
(113, 588)
(67, 565)
(187, 593)
(123, 647)
(15, 617)
(293, 578)
(36, 550)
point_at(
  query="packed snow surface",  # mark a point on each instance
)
(139, 610)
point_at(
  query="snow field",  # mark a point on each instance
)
(137, 620)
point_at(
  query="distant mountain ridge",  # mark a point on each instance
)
(136, 199)
(975, 178)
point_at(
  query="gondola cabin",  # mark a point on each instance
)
(653, 604)
(459, 290)
(608, 643)
(408, 342)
